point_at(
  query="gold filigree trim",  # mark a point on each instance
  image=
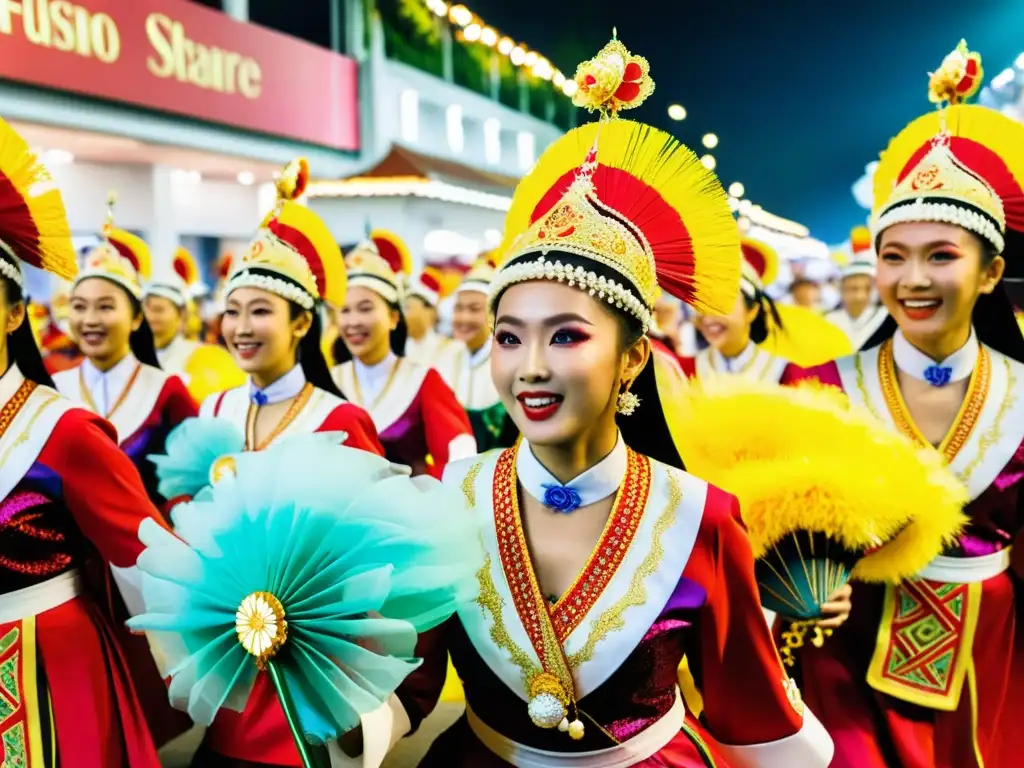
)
(862, 387)
(6, 419)
(611, 620)
(469, 484)
(993, 434)
(490, 600)
(13, 407)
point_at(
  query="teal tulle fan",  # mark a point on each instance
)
(192, 448)
(345, 549)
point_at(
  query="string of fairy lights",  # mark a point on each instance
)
(474, 29)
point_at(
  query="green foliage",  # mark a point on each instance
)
(412, 36)
(421, 19)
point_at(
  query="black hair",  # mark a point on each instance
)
(426, 304)
(140, 341)
(759, 328)
(993, 317)
(22, 349)
(648, 433)
(397, 338)
(310, 355)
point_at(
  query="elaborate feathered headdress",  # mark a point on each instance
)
(479, 277)
(618, 208)
(381, 263)
(294, 254)
(760, 266)
(179, 285)
(33, 223)
(862, 255)
(961, 165)
(121, 257)
(427, 287)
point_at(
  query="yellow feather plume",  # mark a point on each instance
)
(1005, 137)
(805, 458)
(33, 220)
(664, 164)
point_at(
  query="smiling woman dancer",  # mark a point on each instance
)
(66, 493)
(604, 566)
(120, 378)
(734, 338)
(920, 675)
(420, 423)
(271, 326)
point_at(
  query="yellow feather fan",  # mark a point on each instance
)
(211, 369)
(806, 338)
(826, 489)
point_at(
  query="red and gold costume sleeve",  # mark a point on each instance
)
(689, 366)
(751, 707)
(826, 373)
(448, 431)
(357, 423)
(176, 403)
(101, 486)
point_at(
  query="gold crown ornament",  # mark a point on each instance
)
(613, 80)
(368, 269)
(760, 266)
(33, 222)
(121, 257)
(617, 208)
(293, 255)
(962, 164)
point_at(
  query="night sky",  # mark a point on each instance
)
(802, 94)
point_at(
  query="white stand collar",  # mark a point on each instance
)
(10, 381)
(285, 388)
(480, 356)
(373, 378)
(597, 483)
(734, 364)
(916, 363)
(106, 387)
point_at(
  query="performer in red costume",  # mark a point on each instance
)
(606, 563)
(120, 378)
(59, 351)
(272, 328)
(735, 338)
(66, 493)
(419, 421)
(924, 674)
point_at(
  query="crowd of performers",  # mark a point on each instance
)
(618, 609)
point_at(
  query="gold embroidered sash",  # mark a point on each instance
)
(925, 642)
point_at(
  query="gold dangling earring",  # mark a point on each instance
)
(627, 402)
